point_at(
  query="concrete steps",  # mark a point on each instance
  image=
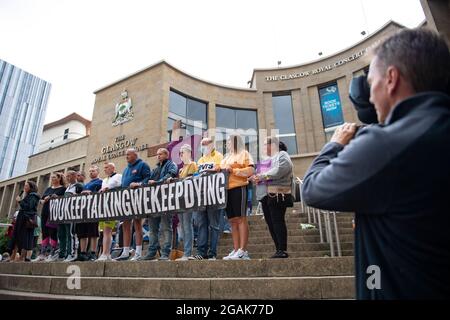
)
(270, 247)
(292, 232)
(292, 226)
(226, 239)
(305, 278)
(308, 273)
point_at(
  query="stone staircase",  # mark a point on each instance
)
(309, 273)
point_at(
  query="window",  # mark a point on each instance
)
(191, 112)
(237, 119)
(66, 134)
(330, 105)
(284, 121)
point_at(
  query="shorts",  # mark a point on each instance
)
(106, 224)
(237, 202)
(87, 230)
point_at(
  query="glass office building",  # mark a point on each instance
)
(23, 103)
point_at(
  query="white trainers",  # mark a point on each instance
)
(136, 257)
(39, 258)
(122, 257)
(70, 258)
(183, 258)
(228, 257)
(240, 255)
(104, 258)
(52, 258)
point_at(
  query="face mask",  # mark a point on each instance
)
(185, 157)
(205, 150)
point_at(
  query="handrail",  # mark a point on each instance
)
(319, 215)
(5, 225)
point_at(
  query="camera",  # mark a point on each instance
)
(359, 94)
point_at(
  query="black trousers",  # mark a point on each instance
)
(274, 209)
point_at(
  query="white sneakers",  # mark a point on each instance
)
(237, 255)
(232, 253)
(185, 258)
(122, 257)
(136, 257)
(70, 258)
(39, 258)
(104, 258)
(52, 258)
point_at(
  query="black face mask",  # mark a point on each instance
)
(359, 94)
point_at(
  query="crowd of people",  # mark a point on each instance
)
(68, 242)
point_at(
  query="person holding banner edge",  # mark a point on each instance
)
(239, 163)
(88, 232)
(66, 231)
(164, 171)
(208, 221)
(112, 181)
(49, 230)
(134, 175)
(188, 169)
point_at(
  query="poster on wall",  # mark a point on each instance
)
(330, 104)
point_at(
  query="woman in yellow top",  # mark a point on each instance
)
(188, 169)
(239, 163)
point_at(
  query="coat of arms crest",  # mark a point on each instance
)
(124, 110)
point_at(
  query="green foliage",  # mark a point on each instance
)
(3, 238)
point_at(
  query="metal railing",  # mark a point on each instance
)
(326, 222)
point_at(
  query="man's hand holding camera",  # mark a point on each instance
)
(344, 133)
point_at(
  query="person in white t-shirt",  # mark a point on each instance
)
(112, 181)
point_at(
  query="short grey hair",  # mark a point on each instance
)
(112, 164)
(164, 150)
(133, 150)
(185, 147)
(207, 140)
(421, 55)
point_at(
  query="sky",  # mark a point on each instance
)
(80, 46)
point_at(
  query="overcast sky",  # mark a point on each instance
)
(80, 46)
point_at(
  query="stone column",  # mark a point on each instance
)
(437, 13)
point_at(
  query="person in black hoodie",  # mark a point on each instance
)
(395, 175)
(23, 236)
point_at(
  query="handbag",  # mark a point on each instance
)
(31, 223)
(286, 198)
(296, 190)
(289, 200)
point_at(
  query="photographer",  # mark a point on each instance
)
(395, 175)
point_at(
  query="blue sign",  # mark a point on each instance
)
(331, 106)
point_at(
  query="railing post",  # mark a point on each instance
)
(336, 231)
(314, 215)
(320, 228)
(330, 238)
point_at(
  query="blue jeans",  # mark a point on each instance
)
(163, 224)
(208, 227)
(188, 232)
(224, 223)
